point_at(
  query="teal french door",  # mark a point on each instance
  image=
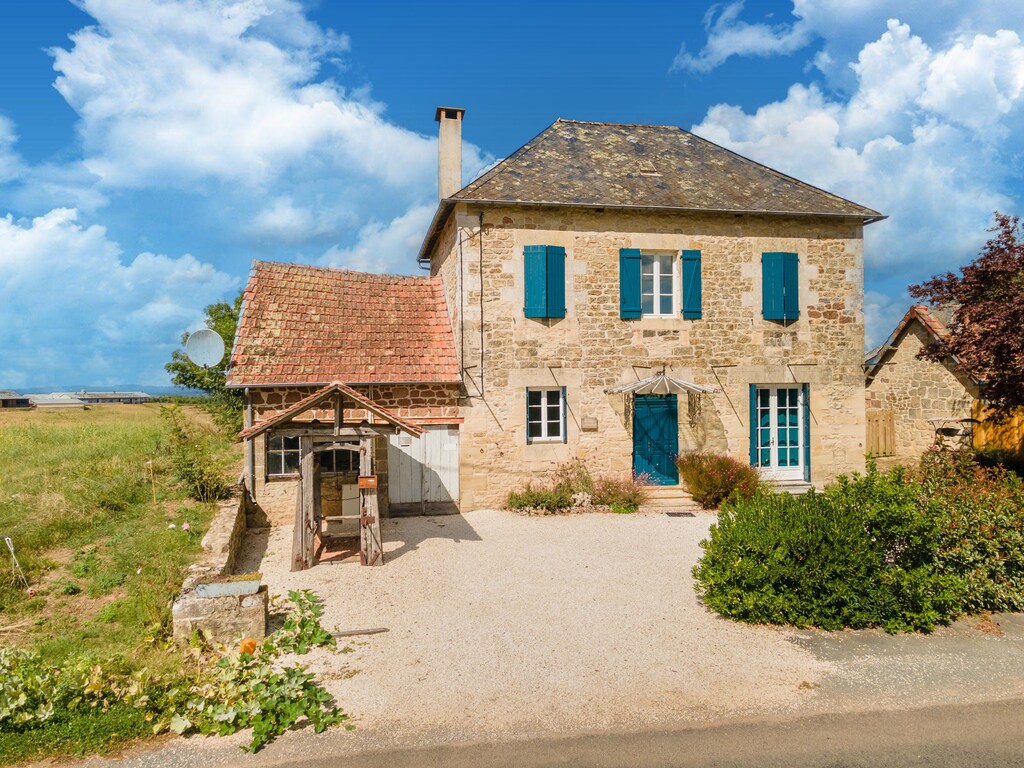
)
(780, 432)
(656, 438)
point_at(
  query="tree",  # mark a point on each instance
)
(987, 331)
(224, 403)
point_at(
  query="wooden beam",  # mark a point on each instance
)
(326, 430)
(371, 550)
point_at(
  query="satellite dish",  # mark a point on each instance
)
(205, 348)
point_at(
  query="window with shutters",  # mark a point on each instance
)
(544, 277)
(780, 290)
(545, 415)
(649, 284)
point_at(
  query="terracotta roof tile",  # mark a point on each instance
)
(311, 325)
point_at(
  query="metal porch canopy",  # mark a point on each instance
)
(660, 384)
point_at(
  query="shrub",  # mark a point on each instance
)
(712, 478)
(981, 531)
(858, 555)
(574, 486)
(192, 458)
(1000, 458)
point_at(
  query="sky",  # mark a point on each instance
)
(150, 150)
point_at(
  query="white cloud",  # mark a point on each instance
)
(728, 35)
(75, 311)
(10, 163)
(380, 244)
(911, 140)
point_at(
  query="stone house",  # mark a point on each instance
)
(913, 403)
(614, 293)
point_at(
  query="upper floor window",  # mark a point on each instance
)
(545, 415)
(780, 290)
(544, 281)
(657, 285)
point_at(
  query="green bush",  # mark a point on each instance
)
(712, 478)
(574, 486)
(981, 531)
(192, 458)
(858, 555)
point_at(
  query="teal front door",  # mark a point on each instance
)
(656, 438)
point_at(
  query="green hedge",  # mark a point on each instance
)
(902, 550)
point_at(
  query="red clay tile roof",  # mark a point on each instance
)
(311, 325)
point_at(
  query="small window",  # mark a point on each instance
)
(545, 415)
(282, 456)
(657, 285)
(339, 461)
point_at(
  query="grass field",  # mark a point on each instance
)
(102, 557)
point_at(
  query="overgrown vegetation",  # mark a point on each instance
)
(901, 550)
(573, 487)
(712, 478)
(104, 532)
(206, 693)
(192, 457)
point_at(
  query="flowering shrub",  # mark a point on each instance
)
(575, 488)
(712, 478)
(219, 694)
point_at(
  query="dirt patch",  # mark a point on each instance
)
(989, 626)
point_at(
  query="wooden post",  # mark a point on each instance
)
(305, 518)
(371, 550)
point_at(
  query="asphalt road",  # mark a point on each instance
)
(964, 736)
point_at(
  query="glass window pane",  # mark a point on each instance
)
(533, 396)
(647, 305)
(646, 265)
(765, 457)
(665, 284)
(764, 397)
(554, 413)
(665, 262)
(327, 461)
(291, 462)
(666, 305)
(533, 429)
(535, 413)
(555, 429)
(647, 284)
(274, 464)
(291, 443)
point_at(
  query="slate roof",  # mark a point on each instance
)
(642, 166)
(314, 326)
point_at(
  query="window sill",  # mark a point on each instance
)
(545, 441)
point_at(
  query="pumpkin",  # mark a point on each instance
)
(248, 646)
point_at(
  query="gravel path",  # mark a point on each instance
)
(501, 624)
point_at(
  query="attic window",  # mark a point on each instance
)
(647, 168)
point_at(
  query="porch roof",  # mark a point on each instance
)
(660, 384)
(339, 391)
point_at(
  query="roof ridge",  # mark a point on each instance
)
(257, 263)
(619, 125)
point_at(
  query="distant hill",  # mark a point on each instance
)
(149, 389)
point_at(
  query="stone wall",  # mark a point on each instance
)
(917, 390)
(592, 349)
(220, 619)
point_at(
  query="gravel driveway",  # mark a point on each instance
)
(501, 624)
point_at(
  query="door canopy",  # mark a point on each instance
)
(660, 384)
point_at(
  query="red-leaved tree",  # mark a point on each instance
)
(987, 331)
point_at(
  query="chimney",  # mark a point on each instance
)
(449, 151)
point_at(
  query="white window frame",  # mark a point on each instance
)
(545, 422)
(656, 258)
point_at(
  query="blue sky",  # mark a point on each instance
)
(149, 150)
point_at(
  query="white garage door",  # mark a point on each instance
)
(424, 469)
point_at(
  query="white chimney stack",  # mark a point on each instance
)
(449, 151)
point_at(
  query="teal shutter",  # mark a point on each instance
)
(555, 281)
(629, 283)
(691, 285)
(535, 269)
(772, 287)
(753, 425)
(807, 431)
(791, 286)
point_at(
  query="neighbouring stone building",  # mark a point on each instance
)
(614, 293)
